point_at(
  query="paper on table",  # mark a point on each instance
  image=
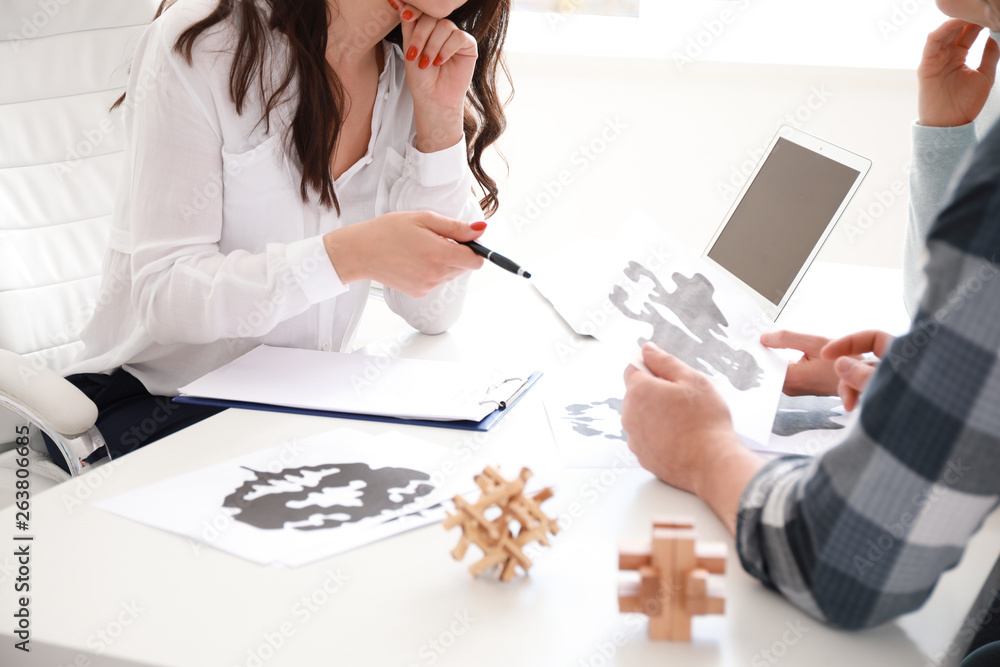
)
(361, 384)
(585, 415)
(302, 500)
(588, 431)
(807, 425)
(645, 286)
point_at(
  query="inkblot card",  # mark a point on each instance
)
(302, 500)
(645, 286)
(584, 408)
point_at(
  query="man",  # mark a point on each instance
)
(954, 107)
(917, 473)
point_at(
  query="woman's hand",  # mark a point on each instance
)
(440, 61)
(951, 93)
(413, 252)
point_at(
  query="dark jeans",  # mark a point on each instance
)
(128, 416)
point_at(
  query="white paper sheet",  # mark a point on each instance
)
(360, 384)
(303, 500)
(588, 431)
(584, 411)
(645, 286)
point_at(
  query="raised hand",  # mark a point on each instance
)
(440, 61)
(950, 92)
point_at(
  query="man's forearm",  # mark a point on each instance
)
(724, 479)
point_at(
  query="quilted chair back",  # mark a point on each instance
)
(63, 63)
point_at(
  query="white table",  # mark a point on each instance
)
(160, 599)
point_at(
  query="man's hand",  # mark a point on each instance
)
(811, 375)
(951, 93)
(830, 368)
(853, 373)
(681, 431)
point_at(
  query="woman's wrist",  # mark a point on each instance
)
(438, 129)
(343, 254)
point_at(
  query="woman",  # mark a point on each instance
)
(280, 155)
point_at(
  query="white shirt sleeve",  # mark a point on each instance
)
(440, 182)
(184, 289)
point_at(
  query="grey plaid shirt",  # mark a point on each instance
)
(860, 535)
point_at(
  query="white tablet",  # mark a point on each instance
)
(783, 215)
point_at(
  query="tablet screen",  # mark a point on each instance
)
(782, 217)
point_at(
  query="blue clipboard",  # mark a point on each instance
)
(487, 422)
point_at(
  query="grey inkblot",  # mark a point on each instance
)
(589, 418)
(797, 414)
(324, 496)
(694, 305)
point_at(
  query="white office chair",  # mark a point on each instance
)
(62, 66)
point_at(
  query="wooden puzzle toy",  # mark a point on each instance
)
(674, 579)
(499, 543)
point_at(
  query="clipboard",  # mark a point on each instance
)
(383, 389)
(488, 422)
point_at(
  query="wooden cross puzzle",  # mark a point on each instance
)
(498, 543)
(673, 578)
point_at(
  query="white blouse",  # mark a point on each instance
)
(212, 250)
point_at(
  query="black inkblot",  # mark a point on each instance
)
(381, 489)
(693, 303)
(806, 413)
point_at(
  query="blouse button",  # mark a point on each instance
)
(326, 347)
(369, 160)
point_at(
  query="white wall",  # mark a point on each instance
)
(686, 143)
(855, 33)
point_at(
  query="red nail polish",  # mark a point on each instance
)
(438, 61)
(424, 62)
(411, 53)
(394, 5)
(478, 226)
(407, 15)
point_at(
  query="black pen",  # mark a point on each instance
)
(496, 258)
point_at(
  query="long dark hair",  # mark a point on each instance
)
(303, 23)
